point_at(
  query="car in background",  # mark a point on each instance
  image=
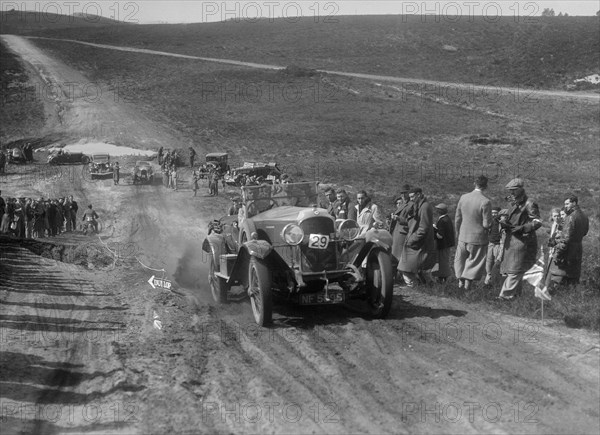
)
(100, 166)
(16, 155)
(61, 157)
(281, 245)
(265, 172)
(218, 161)
(143, 173)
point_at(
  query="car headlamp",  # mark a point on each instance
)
(348, 229)
(292, 234)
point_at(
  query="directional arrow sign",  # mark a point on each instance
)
(156, 282)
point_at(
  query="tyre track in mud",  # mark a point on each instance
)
(56, 348)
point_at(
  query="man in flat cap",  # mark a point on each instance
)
(565, 268)
(494, 252)
(520, 247)
(444, 240)
(472, 220)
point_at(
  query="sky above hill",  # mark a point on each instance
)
(196, 11)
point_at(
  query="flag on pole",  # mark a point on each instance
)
(535, 276)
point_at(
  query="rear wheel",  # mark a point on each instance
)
(259, 290)
(218, 286)
(85, 160)
(380, 284)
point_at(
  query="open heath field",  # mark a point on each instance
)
(362, 134)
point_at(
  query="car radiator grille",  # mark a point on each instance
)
(317, 260)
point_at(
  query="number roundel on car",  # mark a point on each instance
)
(318, 241)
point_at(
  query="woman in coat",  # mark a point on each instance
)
(399, 222)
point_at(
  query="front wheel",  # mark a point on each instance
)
(380, 284)
(85, 160)
(218, 287)
(259, 290)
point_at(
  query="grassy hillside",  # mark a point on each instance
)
(18, 22)
(21, 110)
(549, 53)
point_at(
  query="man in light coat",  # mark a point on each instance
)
(367, 213)
(472, 221)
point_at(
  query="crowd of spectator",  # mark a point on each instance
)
(489, 241)
(37, 218)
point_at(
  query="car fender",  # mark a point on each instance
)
(215, 245)
(374, 240)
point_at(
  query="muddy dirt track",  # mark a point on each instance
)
(88, 345)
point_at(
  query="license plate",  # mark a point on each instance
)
(318, 241)
(334, 297)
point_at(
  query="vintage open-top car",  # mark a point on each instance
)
(268, 172)
(61, 157)
(100, 166)
(143, 172)
(282, 245)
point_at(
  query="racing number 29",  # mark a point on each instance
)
(318, 241)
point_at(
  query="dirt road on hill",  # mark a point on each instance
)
(86, 344)
(426, 86)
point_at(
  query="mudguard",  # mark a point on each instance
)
(258, 248)
(215, 245)
(374, 239)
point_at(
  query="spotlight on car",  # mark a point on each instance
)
(292, 234)
(348, 229)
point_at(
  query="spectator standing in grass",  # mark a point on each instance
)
(2, 205)
(494, 251)
(472, 220)
(399, 221)
(29, 218)
(444, 240)
(192, 157)
(174, 176)
(160, 155)
(419, 253)
(565, 268)
(116, 173)
(74, 209)
(2, 162)
(195, 178)
(520, 247)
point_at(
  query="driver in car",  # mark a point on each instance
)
(262, 200)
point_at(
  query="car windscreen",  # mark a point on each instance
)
(296, 194)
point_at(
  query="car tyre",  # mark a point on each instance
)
(380, 284)
(259, 290)
(218, 286)
(85, 160)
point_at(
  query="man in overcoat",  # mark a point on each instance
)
(520, 247)
(399, 221)
(419, 254)
(568, 251)
(444, 240)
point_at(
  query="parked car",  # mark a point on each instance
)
(143, 172)
(282, 245)
(218, 161)
(16, 155)
(268, 172)
(61, 157)
(100, 166)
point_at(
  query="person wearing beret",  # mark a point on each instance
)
(520, 247)
(444, 240)
(472, 221)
